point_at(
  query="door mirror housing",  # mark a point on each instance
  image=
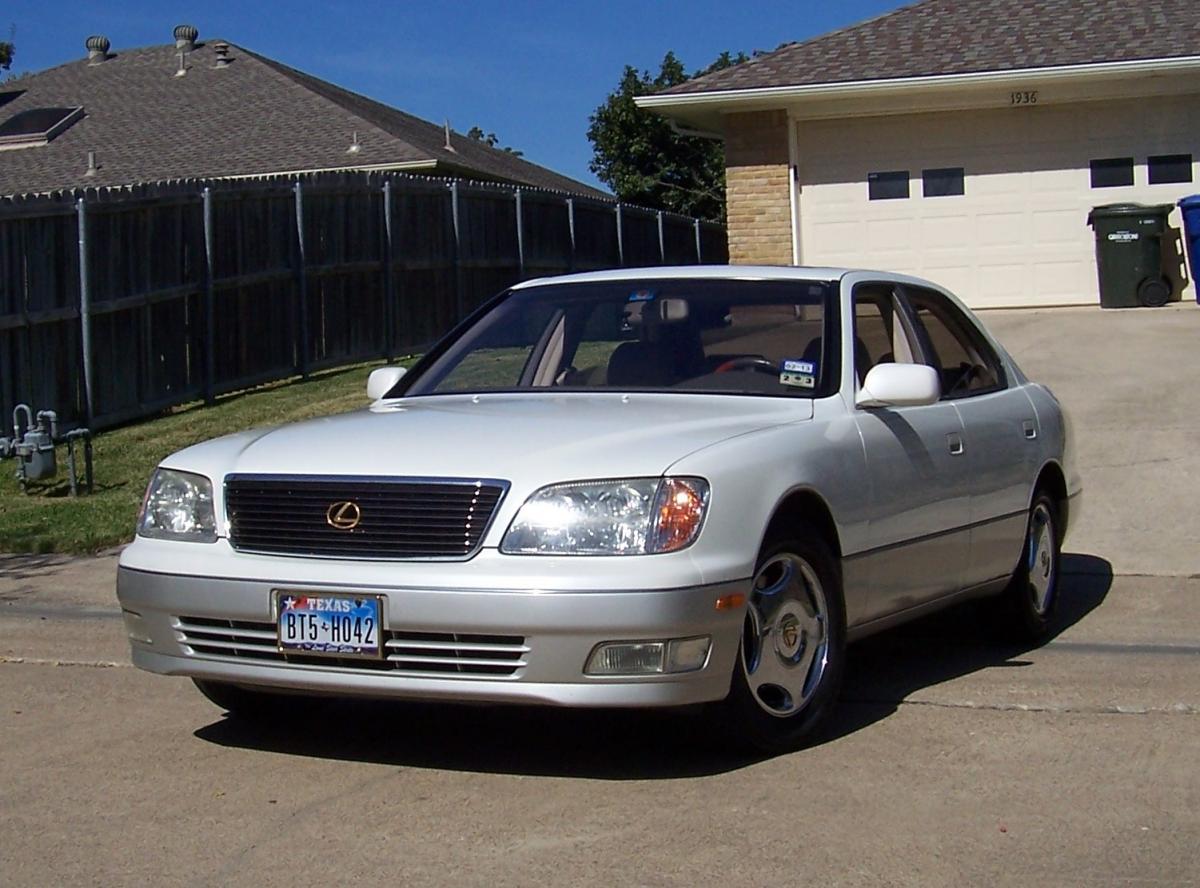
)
(382, 380)
(899, 385)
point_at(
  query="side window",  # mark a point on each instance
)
(954, 347)
(881, 330)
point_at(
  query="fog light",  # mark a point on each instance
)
(135, 627)
(649, 657)
(626, 658)
(688, 654)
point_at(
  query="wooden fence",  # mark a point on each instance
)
(118, 303)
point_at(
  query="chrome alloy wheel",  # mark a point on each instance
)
(785, 646)
(1039, 550)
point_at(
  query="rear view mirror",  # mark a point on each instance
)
(382, 380)
(899, 385)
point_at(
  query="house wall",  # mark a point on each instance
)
(1017, 236)
(759, 219)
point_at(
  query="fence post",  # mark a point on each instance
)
(520, 236)
(662, 244)
(571, 231)
(620, 238)
(210, 307)
(459, 297)
(85, 314)
(389, 285)
(699, 254)
(301, 286)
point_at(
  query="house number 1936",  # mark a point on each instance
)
(1028, 97)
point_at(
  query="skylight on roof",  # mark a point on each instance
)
(10, 95)
(36, 126)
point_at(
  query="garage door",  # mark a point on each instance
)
(1016, 235)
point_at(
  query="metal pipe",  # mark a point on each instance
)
(620, 239)
(302, 285)
(85, 313)
(210, 309)
(389, 284)
(571, 228)
(520, 236)
(662, 243)
(699, 252)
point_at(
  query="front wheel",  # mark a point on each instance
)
(793, 649)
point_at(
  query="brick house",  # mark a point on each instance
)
(963, 140)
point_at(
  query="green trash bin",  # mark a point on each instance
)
(1129, 254)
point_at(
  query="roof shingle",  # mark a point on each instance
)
(254, 117)
(937, 37)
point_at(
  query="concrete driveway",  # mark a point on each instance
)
(952, 760)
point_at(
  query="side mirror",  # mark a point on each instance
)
(382, 380)
(899, 385)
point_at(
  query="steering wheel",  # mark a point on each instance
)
(760, 365)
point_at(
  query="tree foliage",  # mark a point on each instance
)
(6, 52)
(492, 141)
(637, 154)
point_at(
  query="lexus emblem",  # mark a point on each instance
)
(343, 515)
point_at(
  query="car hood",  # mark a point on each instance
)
(526, 439)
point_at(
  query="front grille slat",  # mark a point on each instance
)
(399, 518)
(405, 652)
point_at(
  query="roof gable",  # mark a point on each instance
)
(940, 37)
(253, 116)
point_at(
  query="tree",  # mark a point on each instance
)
(637, 154)
(492, 141)
(6, 50)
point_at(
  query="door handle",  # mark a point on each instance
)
(1030, 429)
(955, 442)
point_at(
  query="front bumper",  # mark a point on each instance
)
(559, 630)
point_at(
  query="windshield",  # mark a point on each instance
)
(711, 336)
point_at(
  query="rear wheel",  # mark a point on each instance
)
(1029, 602)
(792, 655)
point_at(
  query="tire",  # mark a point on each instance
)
(241, 702)
(790, 663)
(1028, 604)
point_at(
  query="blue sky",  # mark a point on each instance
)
(529, 71)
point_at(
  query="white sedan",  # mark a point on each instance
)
(647, 487)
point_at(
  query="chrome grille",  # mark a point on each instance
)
(404, 652)
(395, 518)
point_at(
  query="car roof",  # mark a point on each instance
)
(699, 272)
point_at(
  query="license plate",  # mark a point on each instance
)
(329, 625)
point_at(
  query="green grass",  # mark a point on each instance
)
(48, 519)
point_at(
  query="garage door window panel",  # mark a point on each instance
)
(965, 362)
(891, 185)
(943, 182)
(1165, 169)
(1112, 172)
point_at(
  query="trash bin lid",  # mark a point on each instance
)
(1133, 209)
(1191, 202)
(1119, 210)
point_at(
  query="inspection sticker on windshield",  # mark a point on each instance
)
(799, 373)
(329, 625)
(641, 296)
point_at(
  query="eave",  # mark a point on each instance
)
(941, 92)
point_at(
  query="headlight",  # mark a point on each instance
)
(178, 506)
(633, 516)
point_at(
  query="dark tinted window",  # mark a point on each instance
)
(1112, 172)
(888, 186)
(945, 182)
(1166, 168)
(964, 360)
